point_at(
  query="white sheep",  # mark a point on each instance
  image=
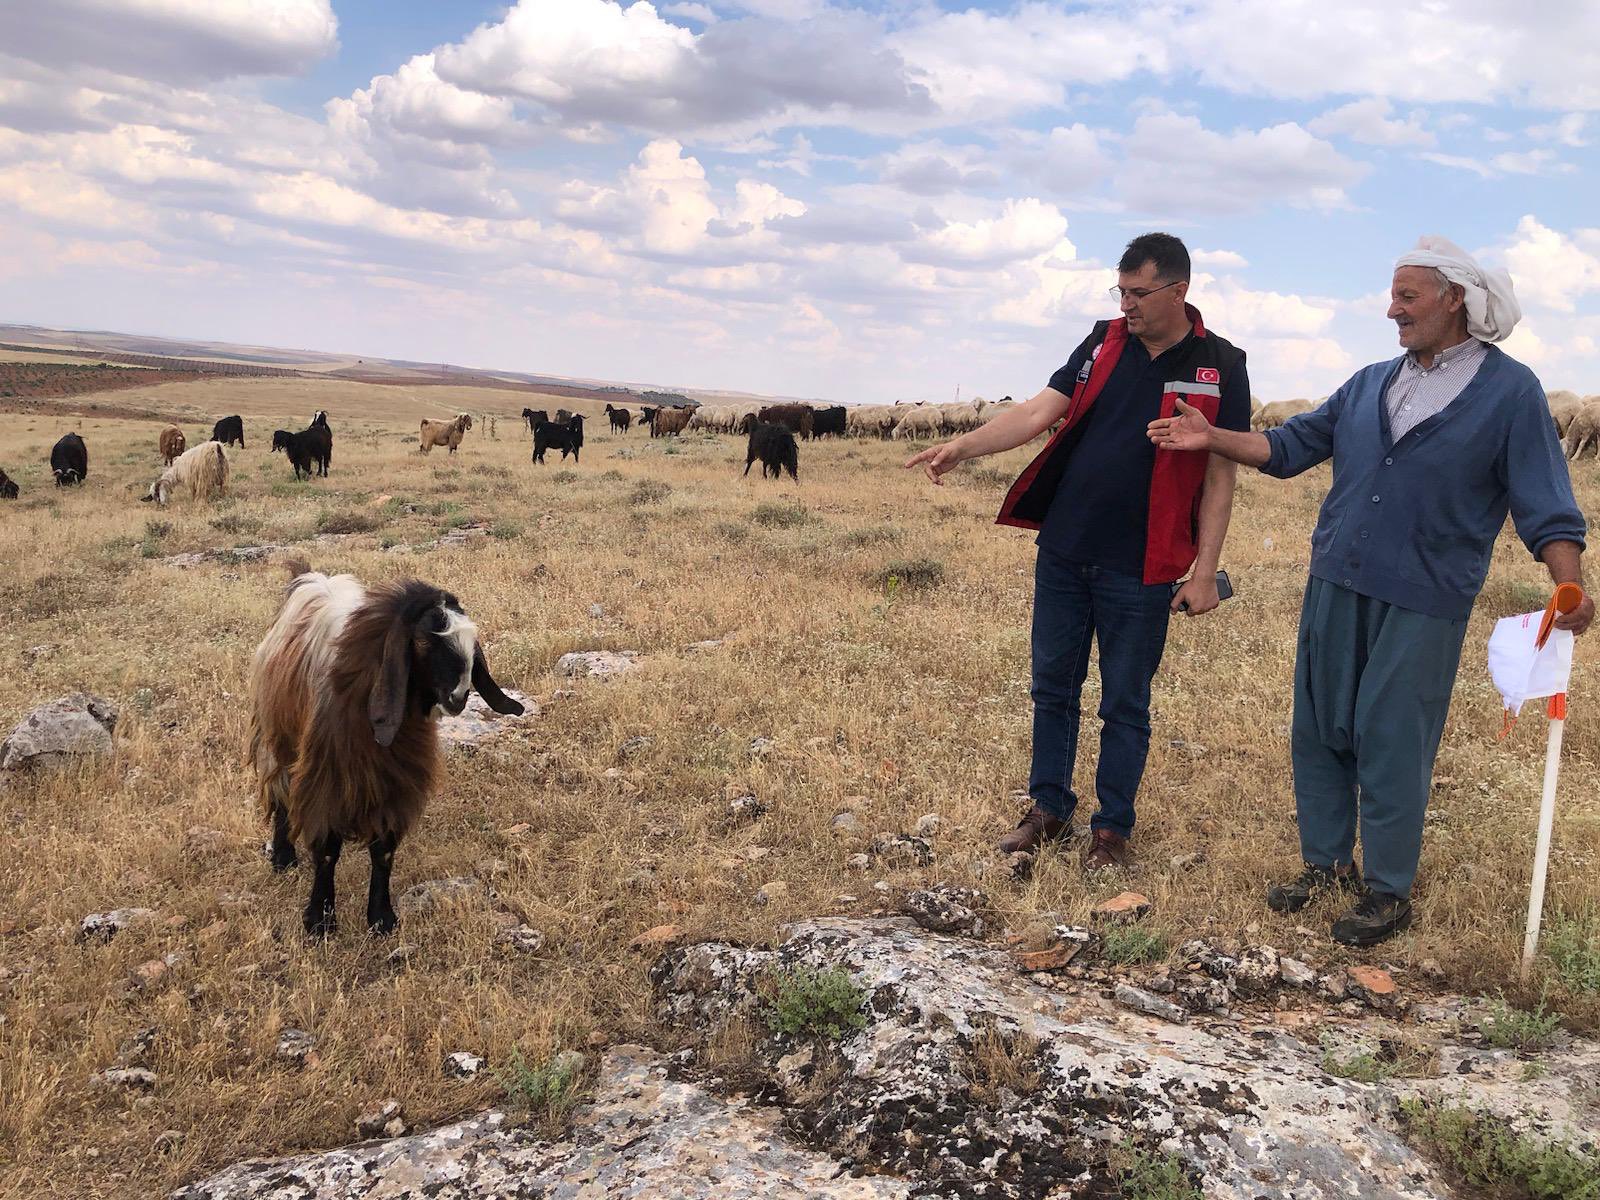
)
(203, 469)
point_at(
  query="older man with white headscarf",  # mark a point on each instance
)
(1430, 452)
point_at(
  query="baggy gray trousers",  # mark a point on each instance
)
(1371, 691)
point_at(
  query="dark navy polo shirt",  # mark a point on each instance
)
(1101, 509)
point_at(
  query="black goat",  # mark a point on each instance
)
(534, 417)
(69, 459)
(8, 487)
(647, 416)
(621, 418)
(555, 435)
(307, 450)
(776, 448)
(828, 420)
(320, 417)
(228, 431)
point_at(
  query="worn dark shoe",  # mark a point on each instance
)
(1295, 895)
(1107, 850)
(1035, 829)
(1376, 918)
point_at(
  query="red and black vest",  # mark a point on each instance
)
(1199, 373)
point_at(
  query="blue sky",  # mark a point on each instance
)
(801, 197)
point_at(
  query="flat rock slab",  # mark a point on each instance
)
(74, 726)
(1245, 1105)
(478, 721)
(644, 1136)
(597, 664)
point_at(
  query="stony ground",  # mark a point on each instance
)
(854, 645)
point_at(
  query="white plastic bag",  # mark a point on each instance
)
(1520, 670)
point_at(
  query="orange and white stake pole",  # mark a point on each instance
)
(1568, 596)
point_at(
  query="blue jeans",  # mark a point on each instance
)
(1074, 603)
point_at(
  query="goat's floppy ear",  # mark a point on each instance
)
(486, 687)
(386, 707)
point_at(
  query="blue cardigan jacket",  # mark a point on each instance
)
(1413, 522)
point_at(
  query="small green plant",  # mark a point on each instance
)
(1130, 944)
(775, 515)
(1398, 1056)
(911, 574)
(1143, 1174)
(156, 530)
(1516, 1029)
(1572, 944)
(348, 520)
(505, 531)
(807, 1002)
(871, 535)
(1484, 1152)
(547, 1089)
(650, 491)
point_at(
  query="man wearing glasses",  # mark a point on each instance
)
(1430, 451)
(1120, 521)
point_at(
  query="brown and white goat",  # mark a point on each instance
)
(172, 444)
(444, 433)
(346, 690)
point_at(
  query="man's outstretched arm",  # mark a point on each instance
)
(1189, 430)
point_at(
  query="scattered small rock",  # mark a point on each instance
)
(634, 745)
(759, 746)
(1431, 970)
(517, 830)
(386, 1119)
(1374, 987)
(1187, 862)
(516, 934)
(422, 898)
(167, 1141)
(136, 1047)
(845, 824)
(767, 893)
(1125, 908)
(138, 1079)
(747, 807)
(105, 926)
(703, 647)
(596, 611)
(597, 664)
(462, 1065)
(1151, 1005)
(199, 841)
(401, 954)
(755, 853)
(1333, 985)
(296, 1046)
(1258, 970)
(946, 909)
(1295, 973)
(903, 850)
(658, 938)
(859, 862)
(73, 726)
(927, 825)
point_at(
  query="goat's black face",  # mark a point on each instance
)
(446, 642)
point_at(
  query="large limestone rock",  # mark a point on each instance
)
(1244, 1103)
(478, 721)
(68, 727)
(646, 1136)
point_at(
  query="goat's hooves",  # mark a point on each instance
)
(383, 925)
(323, 926)
(286, 863)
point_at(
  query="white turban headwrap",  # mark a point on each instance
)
(1492, 308)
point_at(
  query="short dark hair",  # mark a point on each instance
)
(1169, 254)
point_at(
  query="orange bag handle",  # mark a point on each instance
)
(1567, 597)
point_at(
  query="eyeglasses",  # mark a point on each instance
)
(1119, 293)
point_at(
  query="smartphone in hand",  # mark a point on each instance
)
(1224, 589)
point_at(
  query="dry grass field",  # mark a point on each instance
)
(891, 701)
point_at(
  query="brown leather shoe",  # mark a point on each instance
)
(1035, 829)
(1106, 850)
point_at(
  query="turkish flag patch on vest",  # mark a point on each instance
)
(1207, 375)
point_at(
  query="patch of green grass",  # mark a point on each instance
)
(1142, 1174)
(909, 574)
(505, 531)
(808, 1002)
(776, 515)
(650, 491)
(1129, 944)
(871, 535)
(1516, 1029)
(1482, 1151)
(547, 1089)
(349, 520)
(1572, 945)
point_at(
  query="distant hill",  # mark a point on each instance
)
(229, 359)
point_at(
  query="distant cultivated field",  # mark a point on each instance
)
(890, 700)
